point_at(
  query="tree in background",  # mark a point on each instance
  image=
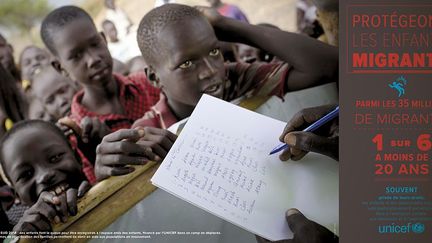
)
(22, 15)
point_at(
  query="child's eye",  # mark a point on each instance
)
(56, 158)
(185, 65)
(40, 57)
(24, 175)
(95, 44)
(214, 52)
(76, 56)
(62, 90)
(50, 100)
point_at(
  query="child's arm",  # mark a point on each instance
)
(93, 130)
(51, 208)
(313, 62)
(131, 147)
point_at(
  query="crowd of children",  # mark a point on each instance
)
(92, 123)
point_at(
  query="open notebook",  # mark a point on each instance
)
(220, 163)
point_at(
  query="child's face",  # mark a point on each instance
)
(110, 31)
(6, 55)
(54, 91)
(37, 111)
(31, 60)
(190, 63)
(38, 160)
(83, 53)
(247, 53)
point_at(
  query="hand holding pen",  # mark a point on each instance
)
(323, 140)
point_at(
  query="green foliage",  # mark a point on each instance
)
(22, 15)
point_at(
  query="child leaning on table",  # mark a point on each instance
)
(181, 47)
(38, 162)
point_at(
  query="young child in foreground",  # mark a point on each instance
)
(45, 173)
(180, 45)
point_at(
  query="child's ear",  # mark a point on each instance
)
(151, 75)
(103, 36)
(10, 48)
(57, 66)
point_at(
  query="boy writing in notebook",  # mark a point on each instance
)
(181, 47)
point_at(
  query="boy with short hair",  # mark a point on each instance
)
(117, 101)
(107, 102)
(182, 52)
(187, 65)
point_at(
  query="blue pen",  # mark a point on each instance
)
(314, 126)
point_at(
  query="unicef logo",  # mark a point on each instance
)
(418, 228)
(394, 228)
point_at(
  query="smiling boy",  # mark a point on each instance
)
(45, 174)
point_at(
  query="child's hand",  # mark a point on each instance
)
(119, 149)
(211, 14)
(324, 141)
(38, 218)
(305, 230)
(159, 140)
(89, 133)
(68, 200)
(93, 130)
(51, 207)
(68, 126)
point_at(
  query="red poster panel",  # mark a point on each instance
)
(386, 131)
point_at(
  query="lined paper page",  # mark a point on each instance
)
(220, 163)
